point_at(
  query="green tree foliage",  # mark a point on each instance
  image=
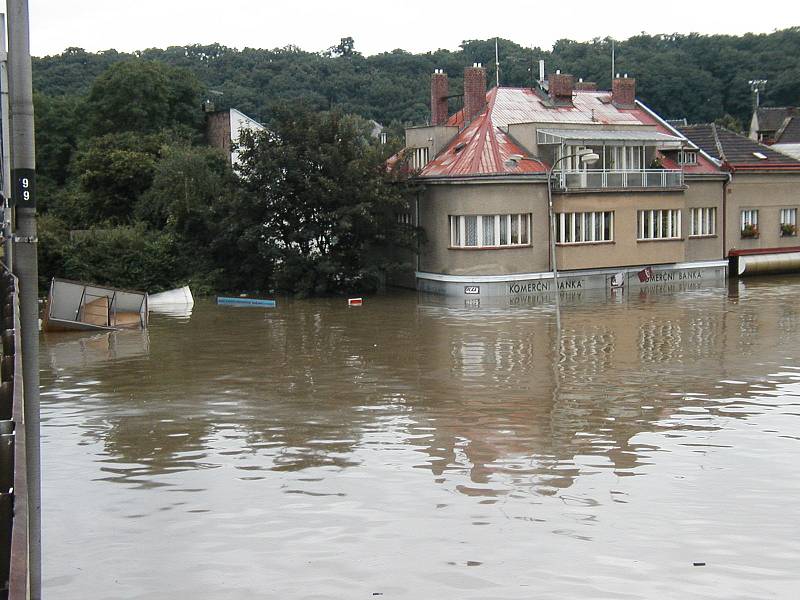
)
(113, 171)
(125, 256)
(143, 96)
(700, 77)
(316, 215)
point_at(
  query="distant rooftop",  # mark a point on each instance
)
(735, 150)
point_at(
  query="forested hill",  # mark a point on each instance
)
(699, 77)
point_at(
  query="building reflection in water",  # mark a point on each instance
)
(493, 398)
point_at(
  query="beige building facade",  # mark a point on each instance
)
(633, 200)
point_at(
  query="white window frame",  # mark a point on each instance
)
(419, 157)
(651, 224)
(788, 216)
(703, 221)
(687, 157)
(582, 227)
(521, 232)
(750, 217)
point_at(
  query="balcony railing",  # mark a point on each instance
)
(616, 179)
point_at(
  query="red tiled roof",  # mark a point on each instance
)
(483, 146)
(480, 149)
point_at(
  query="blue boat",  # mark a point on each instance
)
(246, 302)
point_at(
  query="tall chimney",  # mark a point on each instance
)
(560, 87)
(474, 91)
(623, 92)
(439, 91)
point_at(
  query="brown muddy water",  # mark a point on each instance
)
(419, 448)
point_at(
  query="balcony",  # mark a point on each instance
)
(612, 179)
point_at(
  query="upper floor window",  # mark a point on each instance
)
(788, 221)
(703, 221)
(625, 158)
(419, 157)
(750, 223)
(660, 224)
(687, 157)
(584, 227)
(489, 231)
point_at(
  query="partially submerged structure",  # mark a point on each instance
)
(648, 210)
(74, 306)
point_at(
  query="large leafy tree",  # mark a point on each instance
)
(318, 214)
(143, 96)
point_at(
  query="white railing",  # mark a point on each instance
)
(618, 179)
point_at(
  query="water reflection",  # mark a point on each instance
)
(425, 402)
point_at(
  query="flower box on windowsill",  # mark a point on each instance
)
(788, 230)
(750, 231)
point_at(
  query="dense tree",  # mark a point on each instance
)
(700, 77)
(316, 215)
(113, 170)
(143, 96)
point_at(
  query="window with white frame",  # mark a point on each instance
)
(626, 158)
(489, 231)
(788, 221)
(703, 221)
(749, 223)
(419, 158)
(659, 224)
(584, 227)
(687, 157)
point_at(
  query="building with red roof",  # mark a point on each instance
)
(594, 179)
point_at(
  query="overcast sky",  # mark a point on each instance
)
(378, 25)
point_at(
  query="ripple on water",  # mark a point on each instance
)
(426, 449)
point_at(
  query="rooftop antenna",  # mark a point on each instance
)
(497, 62)
(757, 86)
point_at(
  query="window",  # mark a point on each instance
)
(404, 218)
(749, 223)
(626, 158)
(788, 221)
(687, 157)
(704, 221)
(419, 158)
(584, 228)
(489, 231)
(664, 224)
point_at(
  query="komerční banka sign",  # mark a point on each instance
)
(529, 287)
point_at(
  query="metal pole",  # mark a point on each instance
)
(25, 262)
(5, 124)
(553, 246)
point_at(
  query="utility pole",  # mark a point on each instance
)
(497, 62)
(757, 86)
(5, 133)
(23, 164)
(613, 61)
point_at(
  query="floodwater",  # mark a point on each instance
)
(419, 448)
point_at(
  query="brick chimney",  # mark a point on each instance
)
(560, 87)
(585, 86)
(623, 92)
(439, 92)
(474, 91)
